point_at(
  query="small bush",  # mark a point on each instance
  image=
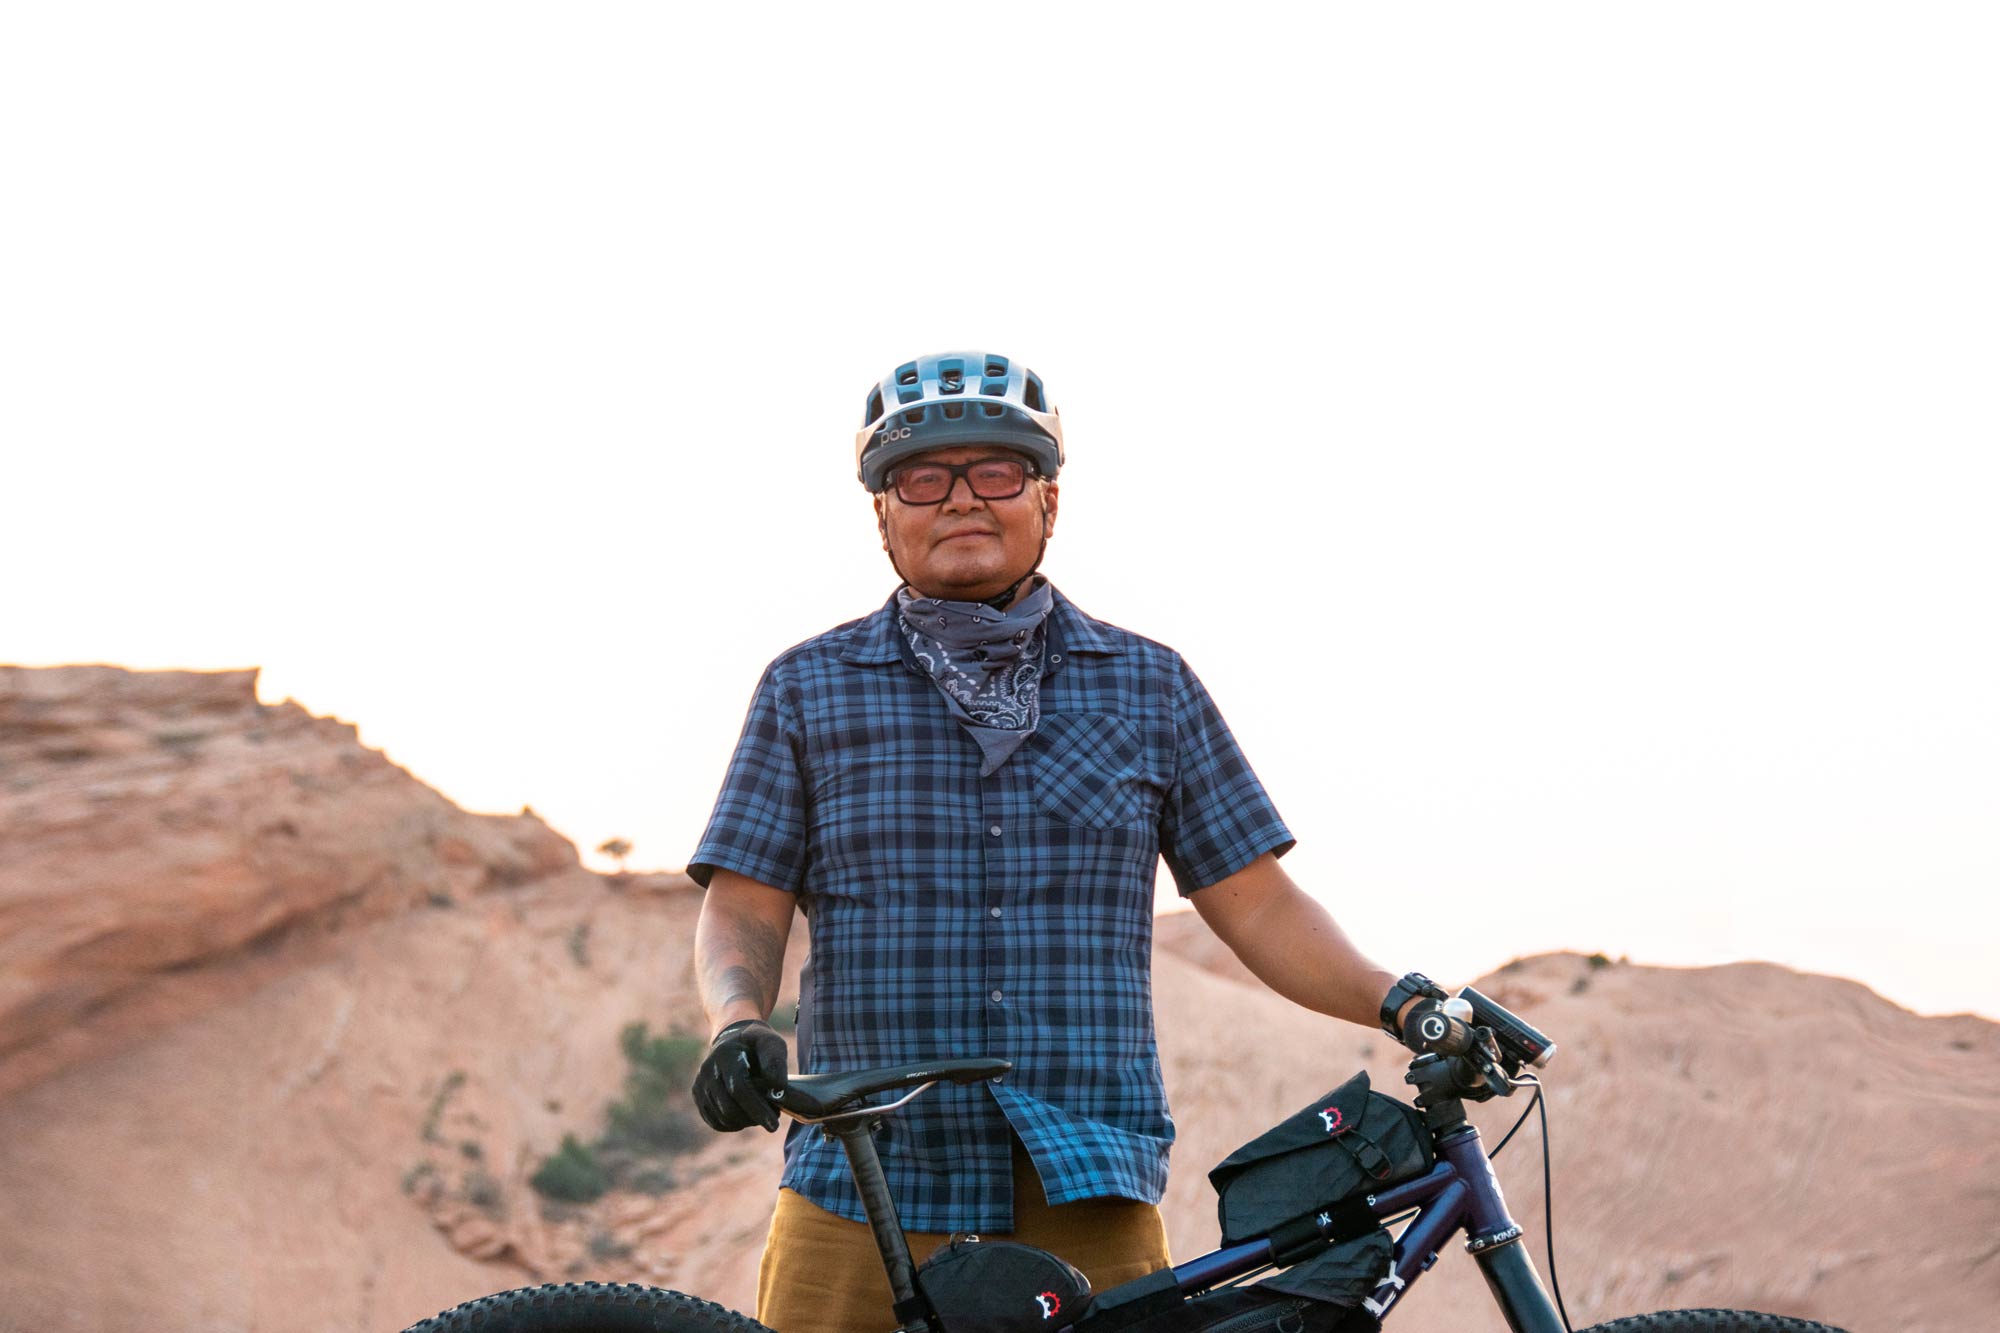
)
(652, 1116)
(654, 1180)
(1597, 961)
(604, 1247)
(673, 1056)
(452, 1083)
(484, 1193)
(572, 1175)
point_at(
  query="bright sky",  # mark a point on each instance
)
(1563, 437)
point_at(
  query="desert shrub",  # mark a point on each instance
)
(673, 1056)
(572, 1174)
(604, 1247)
(654, 1180)
(416, 1175)
(483, 1192)
(452, 1083)
(653, 1114)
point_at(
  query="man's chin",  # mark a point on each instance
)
(965, 588)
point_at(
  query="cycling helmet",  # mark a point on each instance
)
(953, 398)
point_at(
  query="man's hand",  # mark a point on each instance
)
(723, 1092)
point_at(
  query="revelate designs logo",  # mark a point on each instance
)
(1051, 1304)
(1331, 1115)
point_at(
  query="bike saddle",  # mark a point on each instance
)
(817, 1096)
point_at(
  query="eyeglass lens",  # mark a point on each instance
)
(990, 479)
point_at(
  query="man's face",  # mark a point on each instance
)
(964, 548)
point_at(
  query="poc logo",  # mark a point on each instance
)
(1331, 1118)
(1051, 1304)
(890, 434)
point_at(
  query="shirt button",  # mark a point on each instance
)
(994, 911)
(1056, 660)
(994, 829)
(996, 997)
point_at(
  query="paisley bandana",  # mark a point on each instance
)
(987, 663)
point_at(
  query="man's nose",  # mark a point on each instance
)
(971, 501)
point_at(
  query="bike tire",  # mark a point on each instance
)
(589, 1307)
(1710, 1321)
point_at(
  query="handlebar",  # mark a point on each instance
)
(1481, 1044)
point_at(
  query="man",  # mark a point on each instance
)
(968, 793)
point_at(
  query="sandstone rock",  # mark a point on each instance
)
(152, 821)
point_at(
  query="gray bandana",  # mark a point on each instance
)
(987, 663)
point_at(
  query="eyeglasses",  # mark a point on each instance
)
(930, 483)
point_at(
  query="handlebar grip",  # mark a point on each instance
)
(1433, 1031)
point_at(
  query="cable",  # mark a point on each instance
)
(1533, 1102)
(1548, 1198)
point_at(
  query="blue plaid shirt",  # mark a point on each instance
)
(1009, 916)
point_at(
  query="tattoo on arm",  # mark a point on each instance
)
(742, 961)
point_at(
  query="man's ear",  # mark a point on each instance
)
(882, 521)
(1051, 498)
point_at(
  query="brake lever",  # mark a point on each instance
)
(1484, 1057)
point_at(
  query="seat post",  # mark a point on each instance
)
(858, 1140)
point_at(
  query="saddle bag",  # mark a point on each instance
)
(997, 1286)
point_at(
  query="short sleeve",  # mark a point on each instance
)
(758, 826)
(1216, 818)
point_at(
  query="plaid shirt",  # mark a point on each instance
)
(1009, 916)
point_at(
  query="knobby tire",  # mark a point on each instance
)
(1710, 1321)
(589, 1307)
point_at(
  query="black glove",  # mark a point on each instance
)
(723, 1092)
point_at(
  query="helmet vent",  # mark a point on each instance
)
(954, 410)
(994, 409)
(906, 374)
(914, 416)
(874, 408)
(1032, 394)
(996, 368)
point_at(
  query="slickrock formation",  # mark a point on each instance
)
(154, 821)
(285, 1035)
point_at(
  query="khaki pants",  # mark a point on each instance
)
(823, 1274)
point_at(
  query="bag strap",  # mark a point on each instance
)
(1303, 1237)
(1367, 1154)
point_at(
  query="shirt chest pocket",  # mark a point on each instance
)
(1093, 770)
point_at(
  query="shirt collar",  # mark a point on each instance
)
(877, 639)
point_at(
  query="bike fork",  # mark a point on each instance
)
(1517, 1289)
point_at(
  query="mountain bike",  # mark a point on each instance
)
(1468, 1049)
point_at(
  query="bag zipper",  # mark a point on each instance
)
(1252, 1320)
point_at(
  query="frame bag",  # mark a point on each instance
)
(997, 1286)
(1325, 1159)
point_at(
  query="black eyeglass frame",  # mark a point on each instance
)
(957, 470)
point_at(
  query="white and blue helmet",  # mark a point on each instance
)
(955, 398)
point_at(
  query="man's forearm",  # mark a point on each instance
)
(739, 949)
(1293, 944)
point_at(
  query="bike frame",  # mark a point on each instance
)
(1459, 1193)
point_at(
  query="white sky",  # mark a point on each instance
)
(1563, 437)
